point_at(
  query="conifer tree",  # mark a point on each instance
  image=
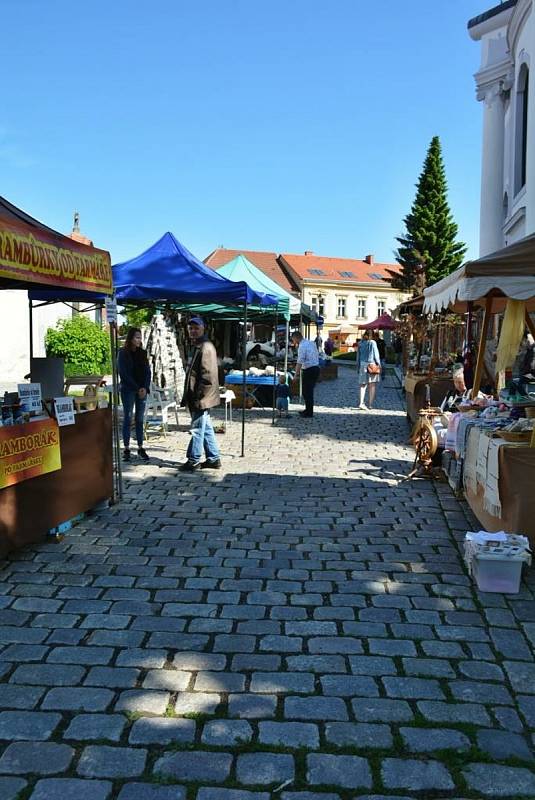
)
(430, 232)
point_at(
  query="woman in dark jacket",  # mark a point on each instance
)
(134, 372)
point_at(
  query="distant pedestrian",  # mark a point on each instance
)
(369, 369)
(308, 369)
(398, 349)
(328, 347)
(381, 346)
(201, 393)
(134, 373)
(282, 396)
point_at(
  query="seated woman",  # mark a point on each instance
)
(459, 393)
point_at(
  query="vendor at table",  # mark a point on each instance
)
(459, 393)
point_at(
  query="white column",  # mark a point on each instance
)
(491, 216)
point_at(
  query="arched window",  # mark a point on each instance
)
(521, 127)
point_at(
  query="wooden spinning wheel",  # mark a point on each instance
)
(425, 440)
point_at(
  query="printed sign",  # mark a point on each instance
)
(30, 396)
(64, 407)
(27, 451)
(111, 309)
(40, 256)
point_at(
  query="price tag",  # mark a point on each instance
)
(111, 309)
(30, 396)
(64, 407)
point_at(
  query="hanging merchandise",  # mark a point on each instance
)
(511, 334)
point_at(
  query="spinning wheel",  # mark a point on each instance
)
(425, 440)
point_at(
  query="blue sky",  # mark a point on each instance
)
(284, 125)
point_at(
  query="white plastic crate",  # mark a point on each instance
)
(497, 574)
(495, 560)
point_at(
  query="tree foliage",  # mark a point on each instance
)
(138, 317)
(83, 344)
(430, 232)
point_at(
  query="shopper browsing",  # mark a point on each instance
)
(369, 369)
(134, 372)
(308, 368)
(201, 393)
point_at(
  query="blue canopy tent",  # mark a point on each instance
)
(168, 272)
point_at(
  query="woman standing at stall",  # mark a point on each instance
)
(134, 372)
(369, 369)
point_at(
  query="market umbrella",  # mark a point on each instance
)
(382, 323)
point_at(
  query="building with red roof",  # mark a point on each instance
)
(346, 292)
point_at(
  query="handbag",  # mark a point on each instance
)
(373, 369)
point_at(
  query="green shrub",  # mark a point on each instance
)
(82, 343)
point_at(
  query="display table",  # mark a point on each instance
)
(516, 483)
(257, 387)
(415, 392)
(32, 507)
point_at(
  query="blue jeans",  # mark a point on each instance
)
(202, 438)
(129, 399)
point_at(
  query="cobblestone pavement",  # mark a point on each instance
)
(298, 625)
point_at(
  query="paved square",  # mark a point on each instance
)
(296, 625)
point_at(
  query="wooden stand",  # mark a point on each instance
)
(31, 508)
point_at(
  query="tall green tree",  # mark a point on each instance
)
(430, 237)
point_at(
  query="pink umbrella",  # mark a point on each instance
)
(382, 323)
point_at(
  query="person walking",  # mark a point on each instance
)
(308, 368)
(381, 346)
(134, 372)
(201, 393)
(369, 369)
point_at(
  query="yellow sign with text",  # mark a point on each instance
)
(41, 257)
(27, 451)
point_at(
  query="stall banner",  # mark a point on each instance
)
(30, 396)
(40, 256)
(64, 408)
(27, 451)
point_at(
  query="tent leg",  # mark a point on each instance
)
(275, 368)
(286, 346)
(244, 367)
(115, 413)
(481, 349)
(31, 331)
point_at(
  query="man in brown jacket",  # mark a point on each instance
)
(201, 393)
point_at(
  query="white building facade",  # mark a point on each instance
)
(507, 89)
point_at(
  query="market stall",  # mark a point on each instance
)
(429, 347)
(55, 464)
(495, 443)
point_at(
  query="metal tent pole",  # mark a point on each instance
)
(115, 411)
(286, 346)
(275, 370)
(244, 366)
(31, 331)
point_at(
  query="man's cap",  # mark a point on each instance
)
(196, 321)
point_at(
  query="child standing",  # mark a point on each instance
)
(282, 395)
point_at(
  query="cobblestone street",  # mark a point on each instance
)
(298, 625)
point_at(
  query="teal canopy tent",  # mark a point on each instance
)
(241, 269)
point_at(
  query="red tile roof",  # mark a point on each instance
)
(265, 261)
(310, 267)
